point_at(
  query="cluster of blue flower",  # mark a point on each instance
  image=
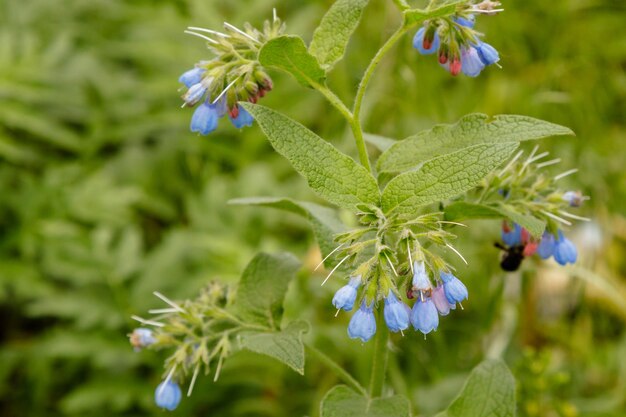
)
(456, 44)
(205, 118)
(424, 316)
(560, 247)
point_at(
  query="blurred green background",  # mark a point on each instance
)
(106, 196)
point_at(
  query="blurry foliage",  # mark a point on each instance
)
(107, 197)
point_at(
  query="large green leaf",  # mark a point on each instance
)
(488, 392)
(324, 220)
(285, 346)
(442, 178)
(334, 175)
(289, 54)
(331, 37)
(341, 401)
(472, 129)
(461, 210)
(263, 286)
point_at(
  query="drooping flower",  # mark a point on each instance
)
(546, 246)
(440, 300)
(564, 250)
(363, 323)
(424, 315)
(471, 64)
(468, 22)
(426, 43)
(167, 395)
(204, 119)
(573, 198)
(396, 314)
(511, 237)
(141, 338)
(345, 296)
(241, 118)
(455, 290)
(191, 77)
(420, 277)
(487, 53)
(194, 94)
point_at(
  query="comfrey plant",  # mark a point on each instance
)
(399, 263)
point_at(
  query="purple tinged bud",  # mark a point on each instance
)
(471, 64)
(418, 42)
(440, 300)
(204, 119)
(573, 198)
(420, 277)
(512, 237)
(191, 77)
(546, 246)
(424, 316)
(363, 323)
(167, 395)
(141, 338)
(487, 53)
(345, 296)
(396, 313)
(468, 22)
(243, 118)
(455, 290)
(194, 94)
(564, 250)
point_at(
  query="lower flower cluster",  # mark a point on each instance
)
(430, 302)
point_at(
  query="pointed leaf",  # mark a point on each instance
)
(331, 37)
(443, 178)
(341, 401)
(263, 286)
(285, 346)
(332, 174)
(289, 54)
(472, 129)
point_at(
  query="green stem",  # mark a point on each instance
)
(402, 4)
(336, 368)
(379, 362)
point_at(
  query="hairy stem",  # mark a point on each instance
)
(379, 362)
(336, 368)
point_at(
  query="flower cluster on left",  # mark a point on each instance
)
(233, 75)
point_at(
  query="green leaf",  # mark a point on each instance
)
(285, 346)
(341, 401)
(414, 17)
(489, 391)
(289, 54)
(324, 220)
(472, 129)
(334, 175)
(461, 210)
(263, 286)
(442, 178)
(331, 37)
(381, 142)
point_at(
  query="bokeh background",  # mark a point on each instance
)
(105, 197)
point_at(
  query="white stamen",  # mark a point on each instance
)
(401, 332)
(167, 379)
(169, 302)
(328, 256)
(457, 252)
(334, 269)
(573, 216)
(184, 104)
(448, 222)
(206, 38)
(461, 305)
(149, 322)
(565, 174)
(337, 313)
(193, 380)
(225, 90)
(557, 218)
(510, 164)
(538, 157)
(218, 370)
(241, 32)
(529, 159)
(274, 14)
(408, 250)
(162, 310)
(213, 32)
(550, 162)
(391, 265)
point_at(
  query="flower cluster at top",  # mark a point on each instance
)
(524, 189)
(394, 261)
(201, 331)
(233, 75)
(456, 43)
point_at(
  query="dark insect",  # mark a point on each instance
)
(512, 257)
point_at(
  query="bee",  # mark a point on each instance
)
(512, 257)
